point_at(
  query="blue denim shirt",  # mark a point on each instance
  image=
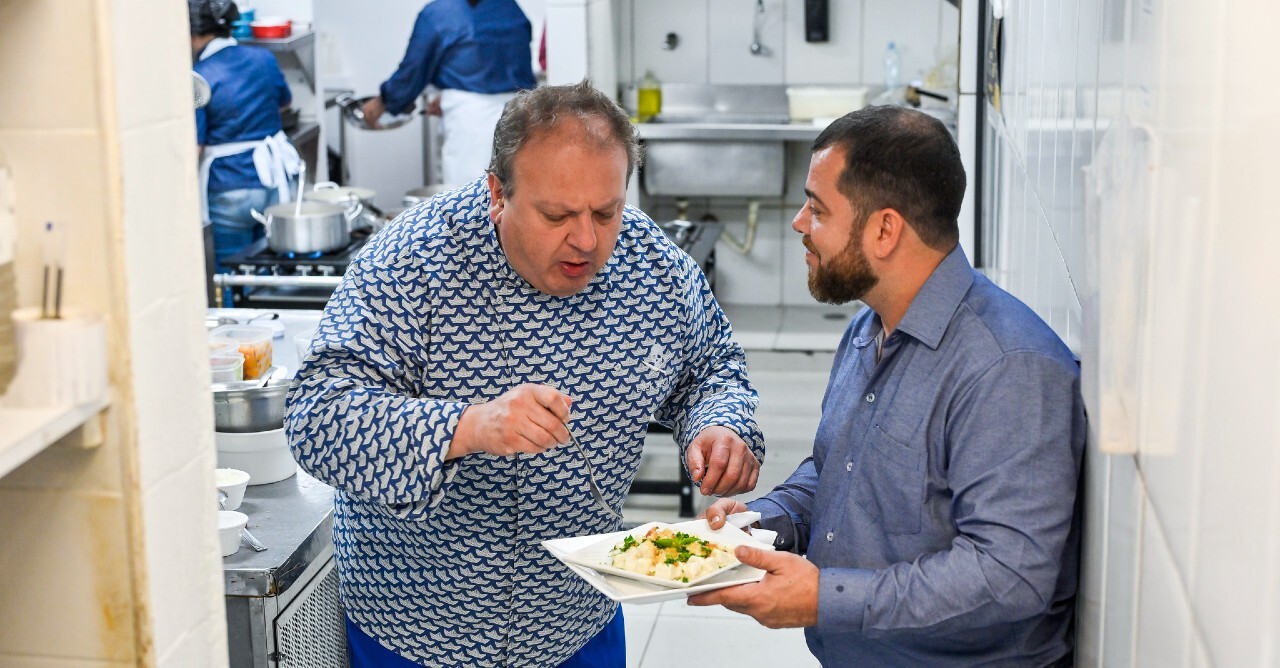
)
(940, 500)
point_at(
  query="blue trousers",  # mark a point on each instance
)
(607, 649)
(233, 226)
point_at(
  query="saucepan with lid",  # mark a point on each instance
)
(309, 227)
(349, 197)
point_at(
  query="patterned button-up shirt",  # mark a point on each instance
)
(440, 560)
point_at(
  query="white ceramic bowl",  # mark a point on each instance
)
(233, 482)
(264, 455)
(229, 525)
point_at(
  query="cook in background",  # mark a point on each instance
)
(938, 510)
(246, 160)
(463, 344)
(477, 52)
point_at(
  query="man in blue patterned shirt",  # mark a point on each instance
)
(466, 342)
(938, 510)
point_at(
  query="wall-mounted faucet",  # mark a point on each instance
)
(758, 49)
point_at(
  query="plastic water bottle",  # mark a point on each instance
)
(892, 66)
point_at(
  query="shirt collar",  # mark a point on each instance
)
(931, 310)
(217, 44)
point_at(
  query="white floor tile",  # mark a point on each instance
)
(754, 327)
(639, 621)
(716, 641)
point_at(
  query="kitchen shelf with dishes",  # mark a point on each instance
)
(26, 432)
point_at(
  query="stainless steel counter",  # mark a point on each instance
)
(294, 519)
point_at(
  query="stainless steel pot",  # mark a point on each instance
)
(310, 228)
(243, 407)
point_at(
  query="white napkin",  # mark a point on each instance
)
(744, 519)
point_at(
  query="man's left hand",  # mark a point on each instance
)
(720, 460)
(787, 596)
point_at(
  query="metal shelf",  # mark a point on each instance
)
(28, 431)
(298, 48)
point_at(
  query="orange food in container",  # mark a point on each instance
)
(252, 342)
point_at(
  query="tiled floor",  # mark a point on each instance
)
(788, 355)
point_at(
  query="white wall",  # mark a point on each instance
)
(1131, 210)
(110, 554)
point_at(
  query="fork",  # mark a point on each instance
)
(591, 477)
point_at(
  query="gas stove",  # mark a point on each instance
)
(263, 278)
(258, 259)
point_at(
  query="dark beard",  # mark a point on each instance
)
(844, 278)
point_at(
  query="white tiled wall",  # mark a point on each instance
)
(714, 48)
(110, 554)
(1129, 207)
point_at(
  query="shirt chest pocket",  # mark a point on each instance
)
(889, 483)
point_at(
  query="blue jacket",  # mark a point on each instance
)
(481, 49)
(248, 90)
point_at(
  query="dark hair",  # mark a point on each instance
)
(541, 109)
(212, 17)
(902, 159)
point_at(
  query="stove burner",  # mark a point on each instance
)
(303, 256)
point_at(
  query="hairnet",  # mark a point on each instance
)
(207, 16)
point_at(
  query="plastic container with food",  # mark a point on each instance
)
(271, 27)
(818, 103)
(252, 342)
(226, 367)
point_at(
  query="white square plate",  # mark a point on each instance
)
(588, 556)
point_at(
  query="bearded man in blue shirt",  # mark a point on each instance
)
(938, 512)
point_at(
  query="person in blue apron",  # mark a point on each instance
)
(246, 161)
(477, 52)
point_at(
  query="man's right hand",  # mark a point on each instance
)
(722, 508)
(373, 110)
(529, 419)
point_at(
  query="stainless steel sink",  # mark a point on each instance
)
(717, 118)
(701, 163)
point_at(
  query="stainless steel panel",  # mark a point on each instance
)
(714, 168)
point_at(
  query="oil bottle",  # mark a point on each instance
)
(648, 97)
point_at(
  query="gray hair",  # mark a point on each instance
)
(541, 109)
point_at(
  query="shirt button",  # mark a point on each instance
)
(831, 536)
(848, 466)
(871, 397)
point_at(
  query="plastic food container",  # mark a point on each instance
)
(226, 367)
(302, 344)
(252, 342)
(807, 103)
(271, 28)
